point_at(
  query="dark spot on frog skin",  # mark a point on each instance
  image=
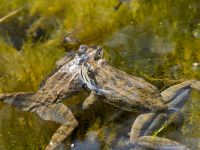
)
(119, 76)
(113, 80)
(129, 84)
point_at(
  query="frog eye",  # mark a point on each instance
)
(99, 53)
(82, 49)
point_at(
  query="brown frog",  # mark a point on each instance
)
(62, 83)
(128, 92)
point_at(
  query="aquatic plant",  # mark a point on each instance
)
(15, 130)
(156, 40)
(23, 71)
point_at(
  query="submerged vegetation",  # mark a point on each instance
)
(156, 40)
(16, 131)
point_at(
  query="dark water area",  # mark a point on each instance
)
(158, 41)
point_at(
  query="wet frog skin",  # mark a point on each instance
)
(87, 68)
(62, 83)
(128, 92)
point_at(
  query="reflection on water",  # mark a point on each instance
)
(152, 40)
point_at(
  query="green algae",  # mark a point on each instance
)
(156, 40)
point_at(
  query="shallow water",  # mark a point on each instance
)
(155, 40)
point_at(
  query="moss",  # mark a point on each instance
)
(150, 39)
(18, 125)
(23, 71)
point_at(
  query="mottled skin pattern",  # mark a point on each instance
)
(129, 93)
(62, 83)
(120, 89)
(126, 91)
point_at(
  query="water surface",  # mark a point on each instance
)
(155, 40)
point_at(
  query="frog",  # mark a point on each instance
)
(62, 83)
(127, 92)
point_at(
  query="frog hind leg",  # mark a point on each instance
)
(150, 142)
(146, 124)
(143, 130)
(61, 114)
(176, 95)
(21, 100)
(54, 112)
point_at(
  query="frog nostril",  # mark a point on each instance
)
(82, 49)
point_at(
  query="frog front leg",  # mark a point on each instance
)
(61, 114)
(90, 100)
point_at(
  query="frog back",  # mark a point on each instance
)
(124, 90)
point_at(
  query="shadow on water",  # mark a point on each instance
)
(155, 40)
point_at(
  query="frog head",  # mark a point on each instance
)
(90, 53)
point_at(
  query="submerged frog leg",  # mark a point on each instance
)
(158, 143)
(143, 129)
(21, 100)
(61, 114)
(147, 124)
(176, 96)
(90, 100)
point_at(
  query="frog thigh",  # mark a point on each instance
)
(90, 100)
(176, 95)
(145, 126)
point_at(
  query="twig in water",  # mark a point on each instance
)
(117, 6)
(11, 14)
